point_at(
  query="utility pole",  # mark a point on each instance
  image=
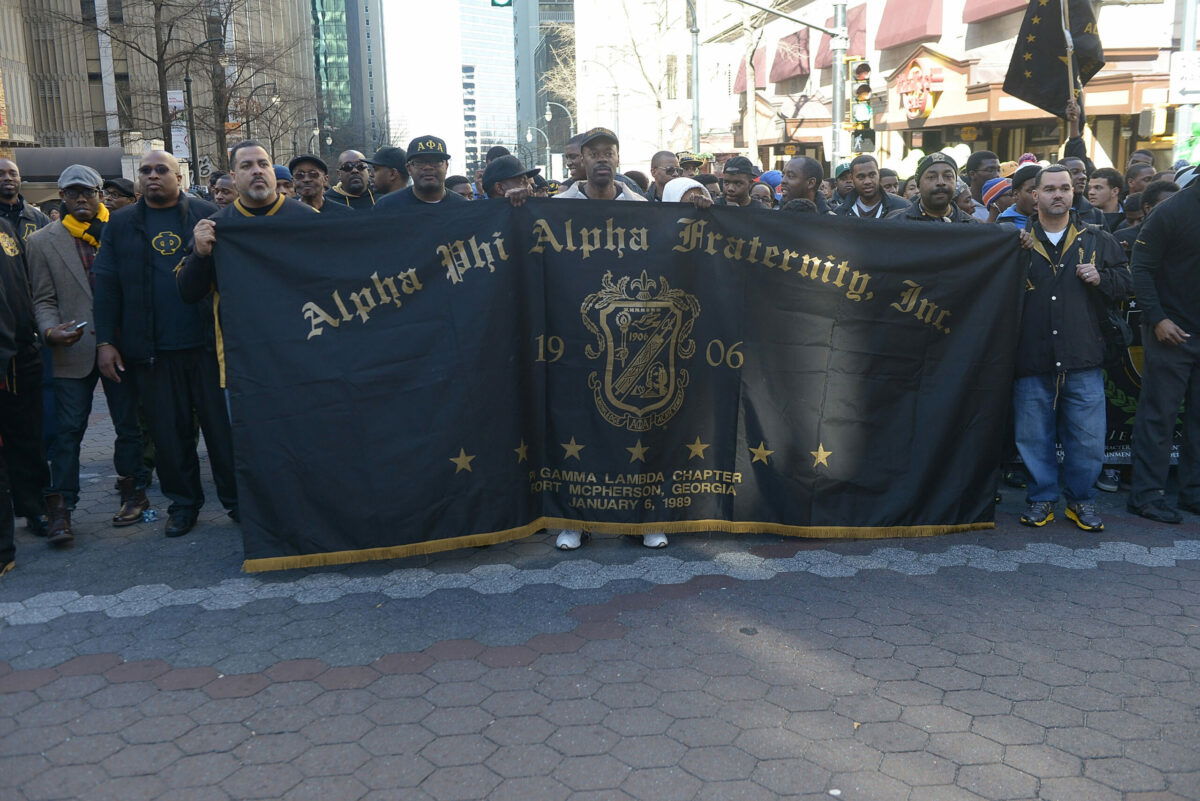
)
(750, 121)
(839, 41)
(1185, 111)
(694, 27)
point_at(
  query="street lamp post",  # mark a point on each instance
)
(549, 115)
(529, 138)
(193, 150)
(187, 93)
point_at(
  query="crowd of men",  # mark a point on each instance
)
(122, 291)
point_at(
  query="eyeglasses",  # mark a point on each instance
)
(353, 166)
(156, 169)
(671, 170)
(303, 175)
(74, 193)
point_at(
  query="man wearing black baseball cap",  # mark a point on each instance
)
(506, 178)
(310, 178)
(739, 175)
(427, 163)
(391, 170)
(600, 157)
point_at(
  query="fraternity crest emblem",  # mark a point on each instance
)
(642, 335)
(9, 245)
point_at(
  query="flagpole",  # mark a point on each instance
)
(1066, 24)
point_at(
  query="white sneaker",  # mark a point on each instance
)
(569, 540)
(658, 540)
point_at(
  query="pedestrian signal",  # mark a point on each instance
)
(862, 140)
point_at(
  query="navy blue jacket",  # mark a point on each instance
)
(124, 282)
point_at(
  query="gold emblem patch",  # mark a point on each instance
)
(9, 245)
(166, 243)
(641, 337)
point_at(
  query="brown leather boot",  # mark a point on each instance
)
(59, 531)
(133, 503)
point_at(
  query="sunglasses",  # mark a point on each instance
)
(671, 170)
(353, 166)
(156, 169)
(302, 175)
(74, 193)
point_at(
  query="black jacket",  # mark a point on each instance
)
(18, 327)
(913, 210)
(1060, 323)
(890, 203)
(124, 281)
(1166, 262)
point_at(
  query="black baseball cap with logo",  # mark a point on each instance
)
(427, 147)
(685, 158)
(740, 165)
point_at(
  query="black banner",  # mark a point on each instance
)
(460, 375)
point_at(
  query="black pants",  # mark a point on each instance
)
(1171, 376)
(23, 470)
(178, 387)
(73, 398)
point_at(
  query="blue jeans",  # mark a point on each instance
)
(1078, 420)
(73, 397)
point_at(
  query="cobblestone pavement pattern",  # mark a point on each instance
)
(1009, 664)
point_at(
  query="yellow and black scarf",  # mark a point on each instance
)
(89, 231)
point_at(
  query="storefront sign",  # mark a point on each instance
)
(968, 133)
(916, 88)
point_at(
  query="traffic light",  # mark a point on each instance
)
(858, 73)
(858, 80)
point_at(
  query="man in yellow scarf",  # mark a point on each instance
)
(60, 259)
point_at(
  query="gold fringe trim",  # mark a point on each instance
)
(677, 527)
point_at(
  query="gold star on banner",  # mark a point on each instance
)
(522, 451)
(1028, 56)
(760, 453)
(1028, 74)
(1031, 38)
(462, 462)
(821, 456)
(696, 448)
(1036, 20)
(572, 448)
(1043, 2)
(637, 452)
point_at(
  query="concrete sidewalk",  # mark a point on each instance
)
(1014, 664)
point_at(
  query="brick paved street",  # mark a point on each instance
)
(1011, 664)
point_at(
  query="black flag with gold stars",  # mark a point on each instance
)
(1038, 72)
(466, 374)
